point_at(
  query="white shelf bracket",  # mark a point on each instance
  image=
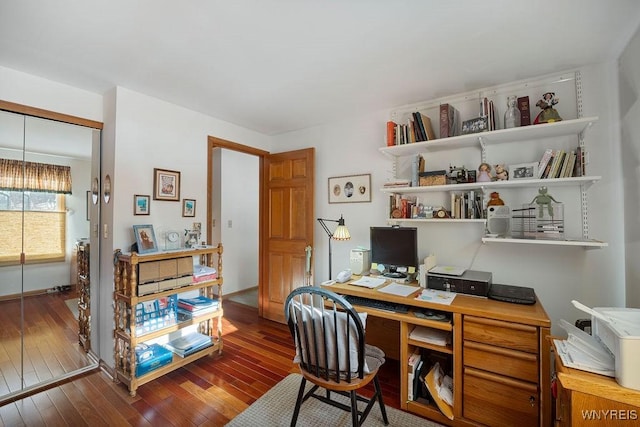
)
(483, 150)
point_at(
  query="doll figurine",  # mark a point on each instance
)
(484, 172)
(548, 113)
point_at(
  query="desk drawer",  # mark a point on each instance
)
(499, 401)
(503, 334)
(503, 361)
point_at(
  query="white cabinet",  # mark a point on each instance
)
(540, 136)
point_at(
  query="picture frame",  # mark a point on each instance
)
(350, 189)
(145, 238)
(524, 171)
(166, 185)
(141, 204)
(188, 207)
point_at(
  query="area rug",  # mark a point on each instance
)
(72, 303)
(276, 407)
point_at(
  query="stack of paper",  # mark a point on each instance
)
(584, 352)
(430, 335)
(189, 344)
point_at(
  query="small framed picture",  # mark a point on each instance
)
(350, 189)
(145, 238)
(524, 171)
(166, 185)
(141, 204)
(188, 207)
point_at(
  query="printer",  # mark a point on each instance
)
(618, 329)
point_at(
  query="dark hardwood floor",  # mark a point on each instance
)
(257, 354)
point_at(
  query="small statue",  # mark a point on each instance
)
(501, 173)
(495, 200)
(543, 199)
(484, 172)
(548, 113)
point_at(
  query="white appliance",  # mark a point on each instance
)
(498, 220)
(618, 329)
(360, 261)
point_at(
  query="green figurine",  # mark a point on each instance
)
(543, 199)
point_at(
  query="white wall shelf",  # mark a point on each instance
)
(393, 221)
(501, 136)
(514, 183)
(586, 243)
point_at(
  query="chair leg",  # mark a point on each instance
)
(354, 408)
(296, 411)
(383, 410)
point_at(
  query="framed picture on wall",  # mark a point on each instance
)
(188, 207)
(350, 189)
(141, 205)
(166, 185)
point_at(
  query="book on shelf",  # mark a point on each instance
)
(391, 133)
(412, 368)
(571, 164)
(580, 162)
(558, 157)
(544, 161)
(426, 128)
(448, 121)
(200, 302)
(418, 127)
(189, 344)
(525, 111)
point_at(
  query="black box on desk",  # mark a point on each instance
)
(471, 282)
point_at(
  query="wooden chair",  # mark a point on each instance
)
(331, 351)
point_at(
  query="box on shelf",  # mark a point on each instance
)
(433, 178)
(151, 357)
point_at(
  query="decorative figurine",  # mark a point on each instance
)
(543, 199)
(548, 113)
(495, 200)
(484, 172)
(502, 174)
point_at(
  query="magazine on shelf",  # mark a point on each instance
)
(189, 344)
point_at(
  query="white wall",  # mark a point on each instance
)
(629, 91)
(558, 274)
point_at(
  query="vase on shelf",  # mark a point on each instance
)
(512, 115)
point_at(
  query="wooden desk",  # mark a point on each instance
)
(586, 399)
(500, 357)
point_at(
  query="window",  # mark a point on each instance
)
(32, 221)
(44, 227)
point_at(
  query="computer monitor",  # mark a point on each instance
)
(396, 248)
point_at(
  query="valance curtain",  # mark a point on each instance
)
(37, 177)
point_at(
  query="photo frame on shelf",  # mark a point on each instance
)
(141, 204)
(524, 171)
(166, 185)
(188, 207)
(145, 238)
(350, 189)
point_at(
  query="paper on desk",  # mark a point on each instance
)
(368, 282)
(397, 289)
(438, 297)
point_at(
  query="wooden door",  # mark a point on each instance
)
(287, 227)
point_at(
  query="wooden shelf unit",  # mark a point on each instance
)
(125, 296)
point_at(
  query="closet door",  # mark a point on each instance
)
(48, 210)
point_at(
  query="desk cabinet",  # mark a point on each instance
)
(586, 399)
(498, 357)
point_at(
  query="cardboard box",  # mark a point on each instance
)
(433, 178)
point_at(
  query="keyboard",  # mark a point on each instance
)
(377, 304)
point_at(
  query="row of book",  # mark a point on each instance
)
(418, 128)
(467, 205)
(561, 164)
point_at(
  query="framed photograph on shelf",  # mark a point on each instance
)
(188, 207)
(166, 185)
(524, 171)
(145, 238)
(141, 204)
(350, 189)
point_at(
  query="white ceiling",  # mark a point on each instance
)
(279, 65)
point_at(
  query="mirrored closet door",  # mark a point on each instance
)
(48, 253)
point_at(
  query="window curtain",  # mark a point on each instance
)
(16, 175)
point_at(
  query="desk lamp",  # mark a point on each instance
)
(341, 233)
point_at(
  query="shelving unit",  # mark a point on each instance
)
(126, 298)
(533, 134)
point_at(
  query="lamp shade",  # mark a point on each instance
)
(342, 232)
